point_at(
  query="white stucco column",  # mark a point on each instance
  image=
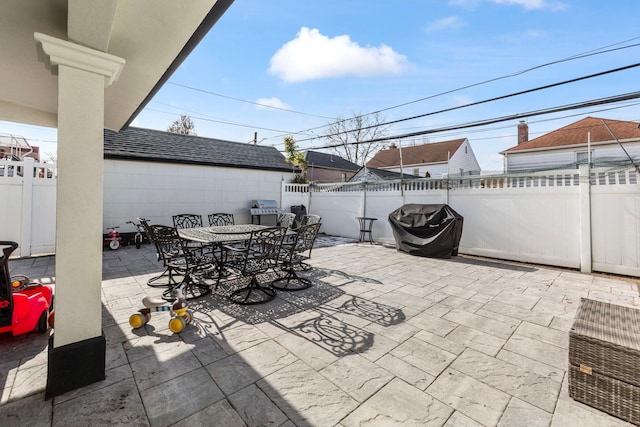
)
(83, 74)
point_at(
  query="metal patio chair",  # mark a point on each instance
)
(310, 219)
(219, 219)
(164, 257)
(293, 255)
(286, 219)
(183, 260)
(187, 220)
(258, 255)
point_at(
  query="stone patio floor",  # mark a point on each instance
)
(382, 338)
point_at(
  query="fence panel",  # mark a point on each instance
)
(615, 222)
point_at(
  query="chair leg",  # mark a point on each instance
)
(192, 290)
(253, 293)
(291, 281)
(168, 273)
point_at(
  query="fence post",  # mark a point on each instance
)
(26, 211)
(584, 197)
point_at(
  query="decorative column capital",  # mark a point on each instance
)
(61, 52)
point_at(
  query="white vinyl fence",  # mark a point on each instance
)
(583, 219)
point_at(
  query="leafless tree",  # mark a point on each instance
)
(184, 125)
(352, 137)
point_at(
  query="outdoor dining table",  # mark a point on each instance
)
(217, 236)
(220, 234)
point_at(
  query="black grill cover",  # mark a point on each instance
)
(427, 230)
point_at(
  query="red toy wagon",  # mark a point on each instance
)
(24, 306)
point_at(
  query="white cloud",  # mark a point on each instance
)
(448, 23)
(312, 55)
(467, 4)
(554, 5)
(460, 100)
(534, 4)
(271, 102)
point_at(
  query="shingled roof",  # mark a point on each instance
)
(577, 133)
(434, 152)
(329, 161)
(159, 146)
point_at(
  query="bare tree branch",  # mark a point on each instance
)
(351, 136)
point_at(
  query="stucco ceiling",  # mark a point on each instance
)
(152, 36)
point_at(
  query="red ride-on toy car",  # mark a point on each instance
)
(24, 306)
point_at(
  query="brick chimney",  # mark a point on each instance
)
(523, 132)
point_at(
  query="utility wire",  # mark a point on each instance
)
(602, 73)
(567, 107)
(248, 102)
(592, 52)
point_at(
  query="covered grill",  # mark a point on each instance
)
(261, 207)
(427, 230)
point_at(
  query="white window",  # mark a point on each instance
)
(582, 157)
(416, 172)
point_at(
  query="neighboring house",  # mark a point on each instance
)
(429, 160)
(373, 174)
(323, 167)
(569, 145)
(16, 147)
(166, 147)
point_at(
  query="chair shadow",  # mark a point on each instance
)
(316, 314)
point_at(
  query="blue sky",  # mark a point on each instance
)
(317, 60)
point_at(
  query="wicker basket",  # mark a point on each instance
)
(604, 358)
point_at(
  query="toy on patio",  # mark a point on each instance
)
(24, 305)
(137, 238)
(180, 315)
(113, 240)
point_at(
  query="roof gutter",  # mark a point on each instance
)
(203, 29)
(563, 147)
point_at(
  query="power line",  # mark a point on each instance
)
(593, 52)
(602, 73)
(567, 107)
(597, 51)
(249, 102)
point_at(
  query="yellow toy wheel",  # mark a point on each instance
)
(176, 325)
(137, 320)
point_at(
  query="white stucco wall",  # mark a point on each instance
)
(157, 191)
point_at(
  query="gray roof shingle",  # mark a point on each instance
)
(159, 146)
(329, 161)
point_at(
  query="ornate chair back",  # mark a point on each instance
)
(218, 219)
(286, 219)
(187, 220)
(310, 219)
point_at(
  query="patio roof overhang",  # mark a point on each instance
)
(82, 66)
(152, 37)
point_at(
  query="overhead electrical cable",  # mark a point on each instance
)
(567, 107)
(592, 52)
(497, 98)
(597, 51)
(249, 102)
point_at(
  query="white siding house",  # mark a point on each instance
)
(569, 146)
(455, 157)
